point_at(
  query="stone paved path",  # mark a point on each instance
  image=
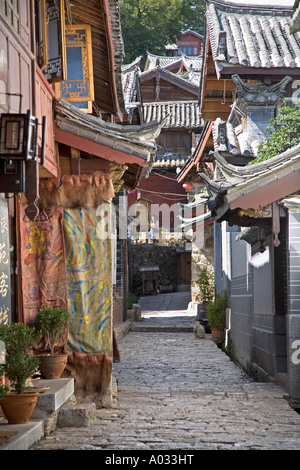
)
(176, 392)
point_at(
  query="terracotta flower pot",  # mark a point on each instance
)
(217, 333)
(18, 407)
(52, 366)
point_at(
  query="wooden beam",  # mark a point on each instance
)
(75, 161)
(212, 116)
(212, 83)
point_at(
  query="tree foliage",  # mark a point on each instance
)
(284, 133)
(150, 25)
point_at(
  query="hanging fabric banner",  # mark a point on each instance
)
(42, 262)
(88, 266)
(5, 287)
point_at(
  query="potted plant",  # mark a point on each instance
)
(205, 286)
(216, 315)
(52, 323)
(17, 402)
(206, 295)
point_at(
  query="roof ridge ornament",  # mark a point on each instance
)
(259, 94)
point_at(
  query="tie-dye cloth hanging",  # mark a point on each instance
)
(42, 262)
(88, 267)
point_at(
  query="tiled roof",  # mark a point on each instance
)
(164, 61)
(192, 77)
(194, 62)
(176, 78)
(252, 36)
(239, 135)
(175, 114)
(132, 139)
(130, 74)
(236, 183)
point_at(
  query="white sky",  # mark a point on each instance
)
(277, 3)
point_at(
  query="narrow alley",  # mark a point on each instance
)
(176, 392)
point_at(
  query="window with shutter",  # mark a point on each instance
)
(10, 9)
(78, 87)
(50, 27)
(41, 34)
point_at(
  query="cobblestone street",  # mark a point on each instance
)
(179, 392)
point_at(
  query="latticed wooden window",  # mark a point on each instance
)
(10, 9)
(78, 86)
(50, 31)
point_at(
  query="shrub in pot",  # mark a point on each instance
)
(52, 323)
(17, 404)
(216, 315)
(205, 285)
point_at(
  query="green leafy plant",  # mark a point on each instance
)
(3, 387)
(145, 28)
(132, 299)
(284, 133)
(20, 363)
(205, 285)
(52, 322)
(216, 311)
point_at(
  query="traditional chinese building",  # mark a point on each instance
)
(166, 91)
(61, 80)
(252, 59)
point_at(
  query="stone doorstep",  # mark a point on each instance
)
(44, 418)
(121, 329)
(25, 435)
(50, 402)
(162, 329)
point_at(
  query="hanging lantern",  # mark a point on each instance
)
(188, 185)
(18, 136)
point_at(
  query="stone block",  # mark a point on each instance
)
(135, 313)
(167, 288)
(76, 415)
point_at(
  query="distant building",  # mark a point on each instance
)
(189, 44)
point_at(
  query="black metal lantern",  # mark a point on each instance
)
(18, 136)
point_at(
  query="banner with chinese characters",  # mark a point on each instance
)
(5, 288)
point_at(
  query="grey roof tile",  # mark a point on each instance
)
(153, 60)
(249, 36)
(175, 113)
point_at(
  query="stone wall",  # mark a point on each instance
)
(163, 256)
(293, 320)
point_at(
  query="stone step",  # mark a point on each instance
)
(49, 402)
(44, 418)
(20, 436)
(162, 329)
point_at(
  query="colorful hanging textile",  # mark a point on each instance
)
(88, 266)
(42, 262)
